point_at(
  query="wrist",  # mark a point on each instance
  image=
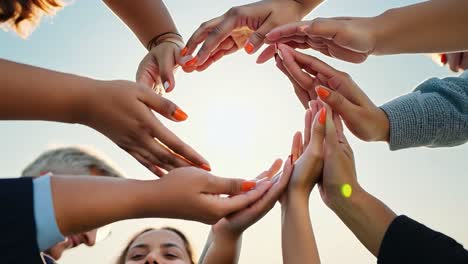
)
(81, 104)
(226, 235)
(295, 198)
(341, 200)
(381, 30)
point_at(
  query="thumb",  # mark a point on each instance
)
(257, 38)
(166, 71)
(335, 100)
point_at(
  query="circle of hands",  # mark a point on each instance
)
(321, 155)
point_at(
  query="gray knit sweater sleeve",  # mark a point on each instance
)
(435, 114)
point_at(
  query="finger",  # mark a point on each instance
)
(266, 54)
(303, 79)
(167, 64)
(158, 171)
(309, 116)
(314, 64)
(317, 133)
(274, 168)
(337, 101)
(200, 34)
(219, 33)
(339, 128)
(331, 138)
(296, 146)
(286, 31)
(144, 74)
(216, 57)
(238, 202)
(464, 61)
(227, 44)
(301, 94)
(257, 38)
(143, 161)
(163, 106)
(454, 61)
(345, 54)
(161, 155)
(230, 186)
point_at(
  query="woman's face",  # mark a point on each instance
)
(157, 247)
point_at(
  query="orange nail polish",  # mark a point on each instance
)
(179, 115)
(248, 185)
(443, 58)
(323, 116)
(205, 167)
(191, 62)
(183, 52)
(249, 48)
(322, 92)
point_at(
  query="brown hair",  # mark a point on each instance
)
(23, 15)
(188, 246)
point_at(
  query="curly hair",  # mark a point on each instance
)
(188, 246)
(23, 15)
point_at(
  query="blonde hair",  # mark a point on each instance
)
(24, 15)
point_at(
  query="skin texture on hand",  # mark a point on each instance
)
(349, 39)
(115, 199)
(367, 217)
(224, 242)
(456, 61)
(298, 241)
(311, 77)
(260, 17)
(131, 124)
(158, 67)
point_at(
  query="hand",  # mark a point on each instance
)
(349, 39)
(456, 61)
(365, 120)
(121, 110)
(157, 68)
(234, 225)
(217, 34)
(339, 179)
(308, 156)
(202, 201)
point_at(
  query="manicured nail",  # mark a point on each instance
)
(323, 116)
(191, 62)
(249, 48)
(248, 185)
(205, 167)
(443, 58)
(280, 54)
(322, 92)
(166, 85)
(179, 115)
(183, 52)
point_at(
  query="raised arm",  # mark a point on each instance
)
(427, 27)
(225, 240)
(118, 109)
(435, 114)
(390, 238)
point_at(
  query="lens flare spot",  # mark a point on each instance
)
(346, 190)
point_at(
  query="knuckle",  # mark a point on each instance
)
(234, 11)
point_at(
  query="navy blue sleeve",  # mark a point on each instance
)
(18, 243)
(407, 241)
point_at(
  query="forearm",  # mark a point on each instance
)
(431, 26)
(85, 203)
(221, 249)
(147, 18)
(434, 115)
(31, 93)
(366, 216)
(298, 241)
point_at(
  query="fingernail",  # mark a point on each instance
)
(443, 58)
(205, 167)
(183, 52)
(322, 92)
(311, 102)
(249, 48)
(248, 185)
(280, 54)
(179, 115)
(191, 62)
(323, 116)
(166, 85)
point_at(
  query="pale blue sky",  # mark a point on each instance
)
(242, 116)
